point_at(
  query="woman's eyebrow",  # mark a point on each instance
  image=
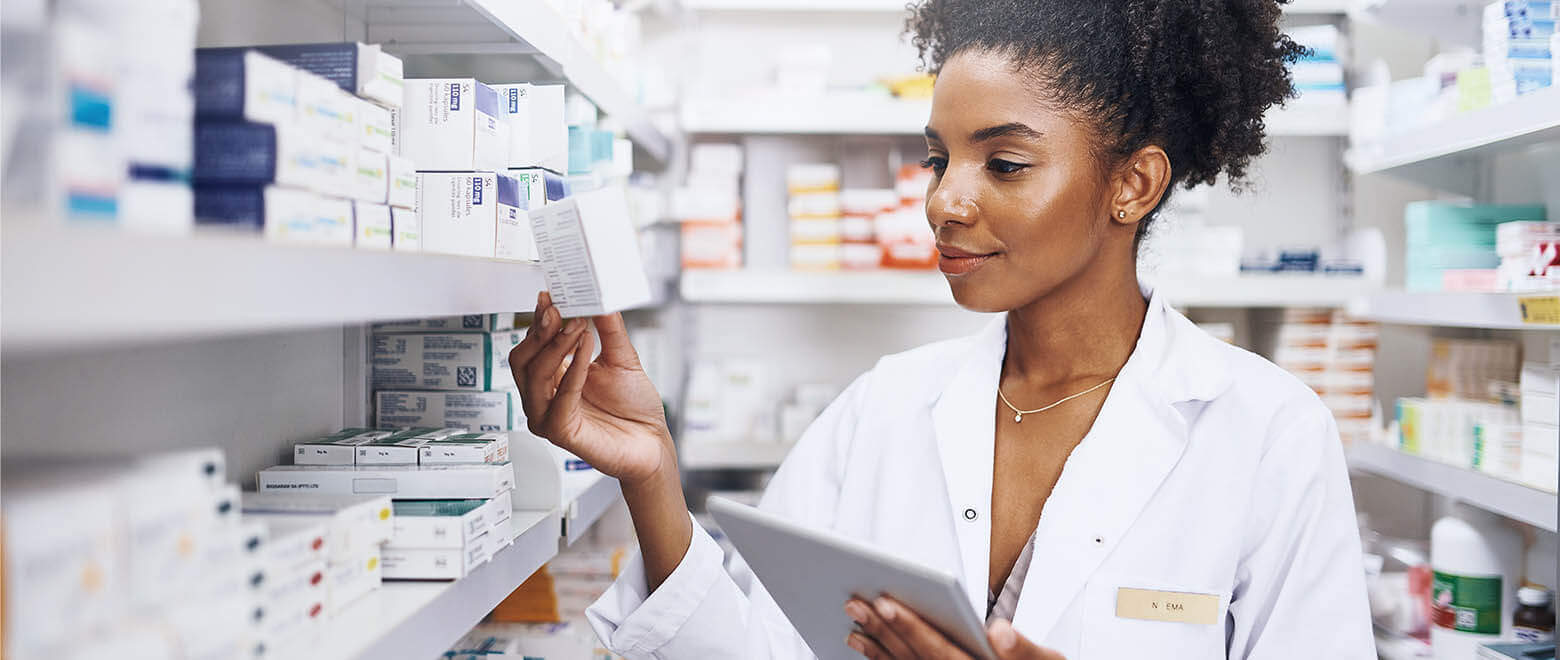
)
(1013, 129)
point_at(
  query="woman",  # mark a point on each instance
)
(1091, 453)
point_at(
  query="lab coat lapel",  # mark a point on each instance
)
(964, 419)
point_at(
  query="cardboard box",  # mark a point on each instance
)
(473, 411)
(538, 187)
(399, 448)
(361, 69)
(466, 448)
(443, 361)
(293, 542)
(325, 110)
(438, 524)
(512, 240)
(282, 214)
(459, 212)
(407, 228)
(402, 182)
(296, 586)
(370, 178)
(452, 125)
(56, 534)
(349, 581)
(549, 138)
(500, 510)
(332, 222)
(253, 154)
(354, 521)
(373, 227)
(401, 482)
(240, 83)
(469, 322)
(434, 563)
(374, 130)
(590, 254)
(514, 109)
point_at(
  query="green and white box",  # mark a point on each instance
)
(472, 411)
(373, 226)
(467, 323)
(339, 448)
(400, 482)
(444, 361)
(370, 178)
(438, 523)
(499, 511)
(400, 448)
(407, 228)
(402, 174)
(491, 447)
(434, 563)
(355, 521)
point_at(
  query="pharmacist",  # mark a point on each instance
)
(1091, 444)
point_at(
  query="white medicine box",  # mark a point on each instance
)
(459, 212)
(452, 125)
(407, 229)
(465, 361)
(590, 254)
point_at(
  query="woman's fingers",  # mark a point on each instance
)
(868, 619)
(917, 634)
(867, 646)
(616, 350)
(542, 370)
(567, 399)
(545, 324)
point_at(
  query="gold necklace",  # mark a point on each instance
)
(1018, 415)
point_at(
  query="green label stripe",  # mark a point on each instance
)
(1466, 604)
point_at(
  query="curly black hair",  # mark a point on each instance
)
(1192, 76)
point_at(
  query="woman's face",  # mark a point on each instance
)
(1018, 201)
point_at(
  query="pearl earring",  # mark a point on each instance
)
(1121, 214)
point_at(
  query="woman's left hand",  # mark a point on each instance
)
(890, 631)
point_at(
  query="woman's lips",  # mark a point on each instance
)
(954, 261)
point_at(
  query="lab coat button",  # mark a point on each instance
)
(969, 514)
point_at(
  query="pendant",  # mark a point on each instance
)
(1018, 418)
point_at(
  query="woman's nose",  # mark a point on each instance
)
(951, 202)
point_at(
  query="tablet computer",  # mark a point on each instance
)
(812, 573)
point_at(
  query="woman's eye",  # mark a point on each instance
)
(935, 163)
(1004, 166)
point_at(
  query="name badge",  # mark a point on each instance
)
(1172, 606)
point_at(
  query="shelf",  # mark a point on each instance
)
(416, 620)
(587, 495)
(1512, 500)
(873, 114)
(511, 27)
(1444, 154)
(732, 455)
(68, 287)
(1498, 311)
(930, 288)
(898, 6)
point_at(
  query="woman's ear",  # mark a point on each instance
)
(1140, 183)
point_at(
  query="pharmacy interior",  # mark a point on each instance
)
(264, 263)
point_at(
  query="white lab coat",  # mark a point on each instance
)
(1208, 470)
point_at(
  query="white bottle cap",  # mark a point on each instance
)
(1533, 596)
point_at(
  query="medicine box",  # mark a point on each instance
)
(402, 177)
(373, 227)
(514, 109)
(57, 534)
(590, 254)
(549, 139)
(459, 212)
(326, 110)
(500, 509)
(434, 563)
(538, 187)
(407, 228)
(370, 177)
(295, 587)
(361, 69)
(472, 411)
(513, 240)
(443, 361)
(400, 482)
(438, 523)
(240, 83)
(469, 322)
(239, 152)
(355, 521)
(488, 447)
(332, 223)
(350, 580)
(374, 131)
(399, 448)
(451, 125)
(292, 542)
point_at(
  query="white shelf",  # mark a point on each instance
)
(930, 288)
(871, 114)
(1441, 155)
(510, 27)
(69, 287)
(417, 620)
(732, 455)
(588, 494)
(1512, 500)
(898, 6)
(1499, 311)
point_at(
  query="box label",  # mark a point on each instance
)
(1465, 603)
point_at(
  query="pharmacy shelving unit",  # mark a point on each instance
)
(503, 28)
(1446, 155)
(930, 288)
(732, 455)
(1512, 500)
(1297, 7)
(587, 495)
(1496, 311)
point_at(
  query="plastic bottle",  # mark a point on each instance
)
(1533, 621)
(1477, 560)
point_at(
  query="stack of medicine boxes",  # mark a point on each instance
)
(145, 556)
(352, 529)
(155, 112)
(1540, 385)
(1517, 51)
(446, 373)
(289, 152)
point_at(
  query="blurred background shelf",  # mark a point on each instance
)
(417, 620)
(66, 286)
(1512, 500)
(1496, 311)
(896, 6)
(930, 288)
(1438, 155)
(586, 495)
(732, 455)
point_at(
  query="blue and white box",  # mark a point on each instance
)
(241, 83)
(449, 361)
(240, 152)
(361, 69)
(514, 107)
(452, 125)
(513, 239)
(459, 212)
